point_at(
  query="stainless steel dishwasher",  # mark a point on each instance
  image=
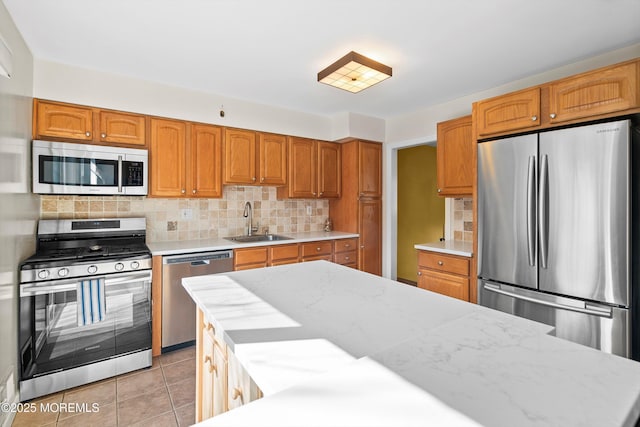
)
(178, 309)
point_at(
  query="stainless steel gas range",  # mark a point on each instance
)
(85, 304)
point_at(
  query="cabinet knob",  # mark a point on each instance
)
(346, 245)
(210, 327)
(194, 191)
(534, 118)
(347, 258)
(440, 263)
(262, 179)
(103, 135)
(361, 246)
(253, 179)
(439, 190)
(87, 133)
(321, 193)
(552, 115)
(183, 191)
(212, 367)
(237, 392)
(318, 249)
(419, 273)
(314, 193)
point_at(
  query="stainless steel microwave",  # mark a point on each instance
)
(69, 168)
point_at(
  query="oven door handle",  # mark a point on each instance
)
(72, 284)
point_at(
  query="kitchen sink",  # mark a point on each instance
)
(258, 238)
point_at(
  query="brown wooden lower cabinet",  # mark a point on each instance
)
(444, 274)
(221, 381)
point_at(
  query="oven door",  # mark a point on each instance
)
(57, 342)
(68, 168)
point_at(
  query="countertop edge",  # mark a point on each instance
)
(450, 247)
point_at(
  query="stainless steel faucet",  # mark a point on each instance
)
(248, 213)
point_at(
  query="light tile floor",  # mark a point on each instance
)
(163, 395)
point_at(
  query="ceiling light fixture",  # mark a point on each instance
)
(354, 72)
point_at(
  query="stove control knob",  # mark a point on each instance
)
(135, 264)
(63, 272)
(43, 274)
(92, 269)
(119, 266)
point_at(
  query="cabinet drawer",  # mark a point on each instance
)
(346, 257)
(250, 256)
(346, 245)
(283, 252)
(445, 284)
(317, 248)
(441, 262)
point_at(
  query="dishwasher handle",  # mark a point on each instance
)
(198, 258)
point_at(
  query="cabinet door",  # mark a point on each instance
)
(220, 378)
(302, 168)
(599, 92)
(167, 157)
(455, 157)
(283, 254)
(514, 111)
(370, 229)
(122, 127)
(329, 172)
(370, 169)
(443, 283)
(239, 156)
(244, 259)
(206, 161)
(207, 376)
(272, 159)
(64, 121)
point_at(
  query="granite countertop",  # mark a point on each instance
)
(330, 346)
(452, 247)
(202, 245)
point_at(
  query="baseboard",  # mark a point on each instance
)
(6, 418)
(407, 282)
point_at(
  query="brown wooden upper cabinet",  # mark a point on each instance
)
(369, 169)
(314, 170)
(254, 158)
(86, 124)
(596, 94)
(185, 159)
(455, 166)
(514, 111)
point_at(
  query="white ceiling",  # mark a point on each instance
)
(270, 51)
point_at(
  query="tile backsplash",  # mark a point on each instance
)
(187, 219)
(463, 219)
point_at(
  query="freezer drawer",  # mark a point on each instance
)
(595, 325)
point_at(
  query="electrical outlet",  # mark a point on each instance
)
(308, 210)
(186, 213)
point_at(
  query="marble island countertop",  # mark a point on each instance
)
(330, 346)
(451, 247)
(204, 245)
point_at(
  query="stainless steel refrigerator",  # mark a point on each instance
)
(555, 237)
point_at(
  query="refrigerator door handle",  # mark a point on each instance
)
(590, 309)
(542, 212)
(531, 210)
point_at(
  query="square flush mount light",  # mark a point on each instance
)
(354, 72)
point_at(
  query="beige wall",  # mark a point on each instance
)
(211, 218)
(420, 210)
(19, 209)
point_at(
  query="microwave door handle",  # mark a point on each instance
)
(120, 172)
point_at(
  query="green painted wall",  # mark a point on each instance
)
(420, 210)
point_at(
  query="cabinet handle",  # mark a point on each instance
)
(237, 392)
(104, 135)
(87, 133)
(212, 367)
(183, 191)
(552, 115)
(440, 263)
(534, 118)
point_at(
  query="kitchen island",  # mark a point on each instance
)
(329, 345)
